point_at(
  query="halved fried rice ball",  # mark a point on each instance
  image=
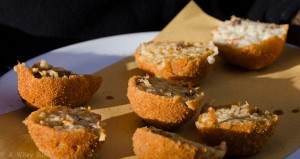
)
(165, 104)
(153, 143)
(176, 60)
(63, 132)
(44, 85)
(250, 44)
(245, 129)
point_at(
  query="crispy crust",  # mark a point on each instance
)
(241, 139)
(151, 143)
(255, 56)
(59, 144)
(41, 92)
(182, 69)
(161, 111)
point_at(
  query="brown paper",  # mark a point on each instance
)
(273, 88)
(191, 24)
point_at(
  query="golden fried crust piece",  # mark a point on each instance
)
(65, 138)
(38, 92)
(163, 103)
(245, 129)
(152, 143)
(183, 61)
(249, 44)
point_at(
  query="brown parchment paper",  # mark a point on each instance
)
(274, 88)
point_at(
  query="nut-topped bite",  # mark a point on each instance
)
(183, 61)
(150, 143)
(246, 129)
(42, 69)
(250, 44)
(63, 132)
(44, 85)
(166, 104)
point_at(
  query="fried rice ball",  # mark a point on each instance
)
(63, 132)
(44, 85)
(165, 104)
(176, 60)
(245, 129)
(250, 44)
(153, 143)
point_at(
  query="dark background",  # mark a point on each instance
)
(30, 28)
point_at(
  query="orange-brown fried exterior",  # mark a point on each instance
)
(41, 92)
(79, 144)
(255, 56)
(186, 68)
(150, 145)
(250, 44)
(160, 111)
(242, 139)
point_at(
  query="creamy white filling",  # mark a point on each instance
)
(238, 114)
(162, 52)
(243, 32)
(211, 58)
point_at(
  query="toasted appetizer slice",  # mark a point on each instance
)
(63, 132)
(250, 44)
(245, 129)
(152, 143)
(183, 61)
(44, 85)
(165, 104)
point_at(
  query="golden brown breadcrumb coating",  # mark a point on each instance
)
(246, 129)
(253, 57)
(184, 61)
(62, 132)
(41, 87)
(250, 44)
(163, 103)
(152, 143)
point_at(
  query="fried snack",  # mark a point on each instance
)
(246, 129)
(250, 44)
(152, 143)
(165, 104)
(183, 61)
(63, 132)
(44, 85)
